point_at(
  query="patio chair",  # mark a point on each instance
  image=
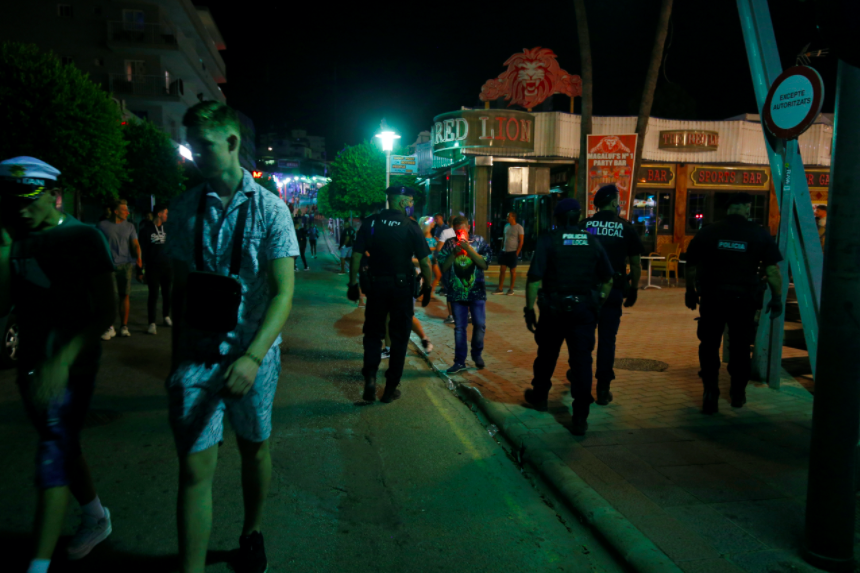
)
(671, 252)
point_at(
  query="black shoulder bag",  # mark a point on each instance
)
(212, 300)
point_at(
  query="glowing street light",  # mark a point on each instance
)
(387, 138)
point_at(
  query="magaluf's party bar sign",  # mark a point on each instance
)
(610, 160)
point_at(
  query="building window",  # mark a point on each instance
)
(98, 62)
(64, 10)
(67, 60)
(133, 20)
(135, 70)
(706, 207)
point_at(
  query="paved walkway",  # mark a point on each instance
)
(720, 493)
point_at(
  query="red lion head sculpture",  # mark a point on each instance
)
(531, 77)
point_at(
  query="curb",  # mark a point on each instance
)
(632, 545)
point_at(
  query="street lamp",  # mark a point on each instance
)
(387, 138)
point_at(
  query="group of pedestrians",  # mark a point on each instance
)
(230, 246)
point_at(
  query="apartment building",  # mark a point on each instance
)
(157, 58)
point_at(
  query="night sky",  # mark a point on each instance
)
(336, 69)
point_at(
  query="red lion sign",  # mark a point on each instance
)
(531, 77)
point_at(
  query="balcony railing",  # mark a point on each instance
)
(145, 86)
(153, 35)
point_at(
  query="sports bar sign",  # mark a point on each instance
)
(490, 130)
(734, 177)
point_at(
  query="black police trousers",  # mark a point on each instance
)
(607, 329)
(577, 328)
(387, 297)
(716, 311)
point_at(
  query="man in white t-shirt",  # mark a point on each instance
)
(514, 235)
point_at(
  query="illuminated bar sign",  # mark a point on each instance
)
(818, 179)
(485, 130)
(656, 176)
(689, 140)
(731, 177)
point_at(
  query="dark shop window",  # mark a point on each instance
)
(706, 207)
(696, 216)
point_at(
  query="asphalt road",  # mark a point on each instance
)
(417, 485)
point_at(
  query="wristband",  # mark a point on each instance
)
(258, 361)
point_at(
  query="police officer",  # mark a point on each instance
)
(621, 241)
(392, 239)
(724, 265)
(570, 276)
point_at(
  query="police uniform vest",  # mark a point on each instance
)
(389, 245)
(571, 263)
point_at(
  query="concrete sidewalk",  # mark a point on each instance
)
(721, 493)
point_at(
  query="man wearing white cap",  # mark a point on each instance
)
(48, 256)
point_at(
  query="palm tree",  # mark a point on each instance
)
(650, 86)
(587, 101)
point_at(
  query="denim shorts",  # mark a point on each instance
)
(196, 409)
(59, 425)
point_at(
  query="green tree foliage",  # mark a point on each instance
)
(268, 182)
(153, 163)
(358, 182)
(54, 112)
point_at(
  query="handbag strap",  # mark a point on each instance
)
(238, 235)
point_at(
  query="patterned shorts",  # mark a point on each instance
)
(196, 408)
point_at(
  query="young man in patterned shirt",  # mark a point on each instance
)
(236, 372)
(463, 260)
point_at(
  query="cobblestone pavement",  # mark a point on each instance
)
(716, 493)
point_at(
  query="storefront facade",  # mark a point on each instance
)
(688, 168)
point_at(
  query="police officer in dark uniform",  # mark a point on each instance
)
(570, 276)
(724, 266)
(620, 240)
(392, 239)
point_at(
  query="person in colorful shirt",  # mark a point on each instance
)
(463, 260)
(233, 373)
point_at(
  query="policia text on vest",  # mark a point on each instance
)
(571, 276)
(391, 240)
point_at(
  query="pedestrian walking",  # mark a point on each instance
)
(514, 237)
(148, 217)
(427, 225)
(464, 260)
(621, 243)
(570, 278)
(47, 256)
(157, 271)
(302, 237)
(391, 239)
(227, 329)
(125, 248)
(441, 227)
(724, 265)
(313, 235)
(347, 237)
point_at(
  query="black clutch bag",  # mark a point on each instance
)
(212, 300)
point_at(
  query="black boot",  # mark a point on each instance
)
(391, 393)
(579, 423)
(738, 394)
(604, 396)
(710, 401)
(369, 389)
(536, 399)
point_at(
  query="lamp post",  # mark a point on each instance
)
(387, 138)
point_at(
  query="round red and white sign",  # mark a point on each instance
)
(793, 102)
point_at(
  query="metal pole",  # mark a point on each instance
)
(836, 412)
(387, 175)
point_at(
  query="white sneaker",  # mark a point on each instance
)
(152, 329)
(109, 333)
(88, 536)
(167, 321)
(124, 332)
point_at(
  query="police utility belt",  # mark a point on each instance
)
(559, 302)
(403, 280)
(212, 300)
